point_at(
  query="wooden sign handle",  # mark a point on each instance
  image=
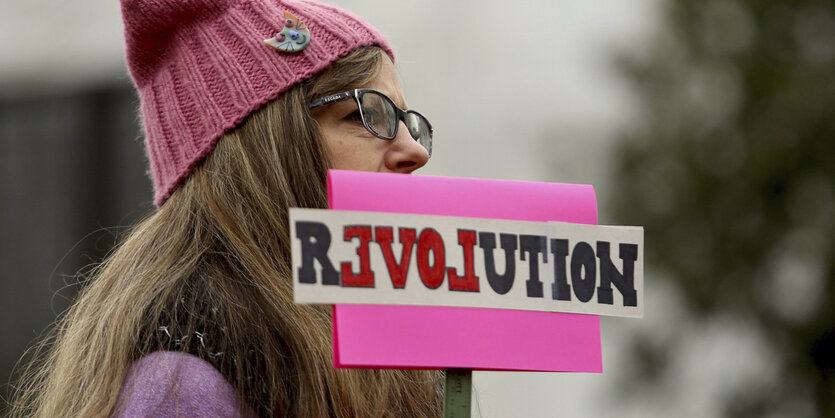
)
(457, 393)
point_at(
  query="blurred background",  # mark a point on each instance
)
(710, 123)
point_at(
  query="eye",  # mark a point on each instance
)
(354, 117)
(373, 116)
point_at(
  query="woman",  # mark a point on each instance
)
(239, 126)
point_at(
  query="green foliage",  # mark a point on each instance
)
(732, 174)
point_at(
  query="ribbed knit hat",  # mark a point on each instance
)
(202, 66)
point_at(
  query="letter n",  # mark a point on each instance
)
(625, 283)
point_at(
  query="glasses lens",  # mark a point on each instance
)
(419, 129)
(379, 114)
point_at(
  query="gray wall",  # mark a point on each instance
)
(72, 169)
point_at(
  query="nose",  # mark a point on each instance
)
(404, 154)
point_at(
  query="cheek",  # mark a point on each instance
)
(352, 152)
(338, 143)
(342, 150)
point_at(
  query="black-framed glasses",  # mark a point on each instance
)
(381, 116)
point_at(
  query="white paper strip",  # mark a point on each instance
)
(352, 257)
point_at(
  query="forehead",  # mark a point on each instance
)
(388, 82)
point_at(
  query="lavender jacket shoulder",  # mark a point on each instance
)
(174, 384)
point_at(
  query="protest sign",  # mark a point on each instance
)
(384, 336)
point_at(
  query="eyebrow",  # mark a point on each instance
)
(398, 100)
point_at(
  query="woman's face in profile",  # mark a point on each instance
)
(351, 146)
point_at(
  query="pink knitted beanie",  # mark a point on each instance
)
(201, 66)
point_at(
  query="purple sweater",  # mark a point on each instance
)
(174, 384)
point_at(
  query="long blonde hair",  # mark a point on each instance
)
(214, 261)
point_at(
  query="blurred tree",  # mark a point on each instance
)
(732, 174)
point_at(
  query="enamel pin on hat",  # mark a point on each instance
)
(294, 37)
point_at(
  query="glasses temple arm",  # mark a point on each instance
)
(332, 98)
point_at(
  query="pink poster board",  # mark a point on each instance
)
(382, 336)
